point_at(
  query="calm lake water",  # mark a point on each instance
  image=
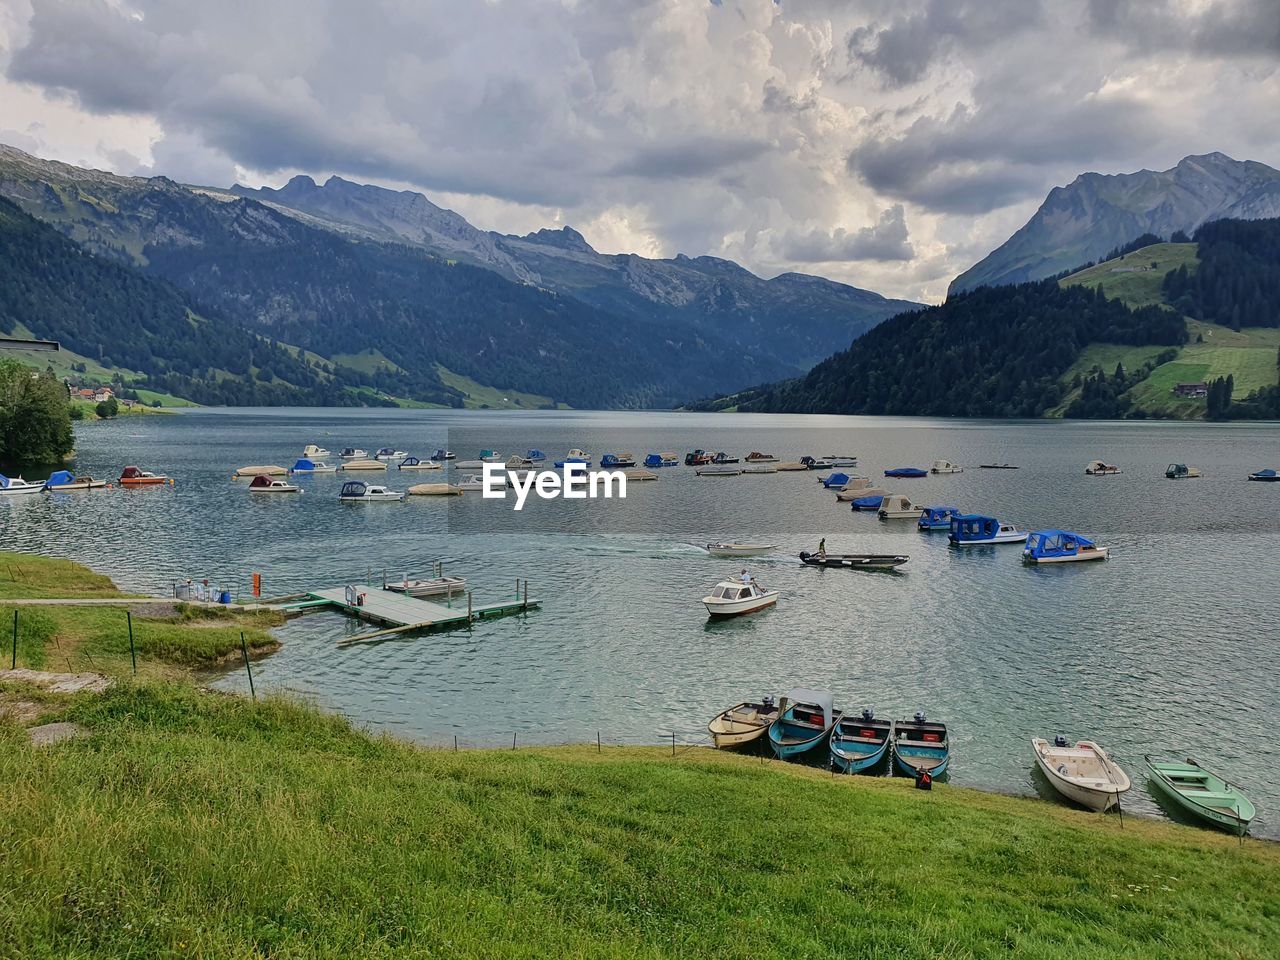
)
(1169, 646)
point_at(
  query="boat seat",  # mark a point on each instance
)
(1213, 795)
(846, 738)
(932, 744)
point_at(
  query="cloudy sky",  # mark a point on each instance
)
(886, 143)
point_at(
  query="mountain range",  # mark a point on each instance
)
(1096, 213)
(344, 269)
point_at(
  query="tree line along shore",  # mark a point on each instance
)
(185, 822)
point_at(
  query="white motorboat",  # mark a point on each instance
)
(974, 530)
(740, 549)
(1097, 468)
(313, 451)
(486, 456)
(413, 463)
(354, 453)
(840, 460)
(897, 506)
(945, 466)
(358, 490)
(263, 483)
(389, 453)
(16, 486)
(1083, 773)
(304, 465)
(733, 598)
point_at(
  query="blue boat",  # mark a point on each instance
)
(859, 743)
(936, 518)
(969, 529)
(906, 472)
(443, 454)
(1060, 546)
(535, 456)
(303, 465)
(804, 722)
(1265, 476)
(661, 460)
(869, 503)
(837, 480)
(921, 747)
(612, 461)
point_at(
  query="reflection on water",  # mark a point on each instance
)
(1169, 645)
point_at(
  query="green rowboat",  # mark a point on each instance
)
(1202, 793)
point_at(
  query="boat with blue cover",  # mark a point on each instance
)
(16, 486)
(617, 461)
(575, 457)
(440, 454)
(906, 472)
(834, 481)
(307, 465)
(661, 460)
(921, 746)
(1060, 546)
(66, 480)
(805, 721)
(1265, 476)
(936, 518)
(871, 501)
(536, 456)
(859, 743)
(972, 529)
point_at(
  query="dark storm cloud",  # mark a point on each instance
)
(887, 240)
(1226, 28)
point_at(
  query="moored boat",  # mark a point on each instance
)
(443, 454)
(617, 461)
(697, 458)
(897, 506)
(759, 468)
(389, 453)
(575, 458)
(906, 472)
(740, 549)
(535, 457)
(835, 481)
(434, 490)
(859, 743)
(364, 463)
(304, 465)
(733, 598)
(755, 456)
(921, 747)
(1265, 476)
(133, 477)
(413, 463)
(266, 470)
(65, 480)
(997, 466)
(856, 488)
(265, 483)
(359, 491)
(313, 451)
(936, 518)
(1060, 546)
(868, 498)
(656, 460)
(840, 459)
(854, 561)
(722, 458)
(1098, 468)
(16, 486)
(945, 466)
(816, 463)
(430, 587)
(354, 453)
(718, 471)
(788, 466)
(1180, 471)
(805, 720)
(1082, 773)
(473, 481)
(742, 723)
(1202, 793)
(971, 529)
(636, 473)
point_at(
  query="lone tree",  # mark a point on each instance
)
(108, 408)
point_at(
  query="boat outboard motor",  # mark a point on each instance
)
(868, 714)
(767, 703)
(920, 718)
(1059, 741)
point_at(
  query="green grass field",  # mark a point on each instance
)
(1136, 277)
(367, 361)
(492, 398)
(194, 824)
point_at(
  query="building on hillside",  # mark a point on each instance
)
(1191, 390)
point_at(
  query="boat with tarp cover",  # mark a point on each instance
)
(265, 483)
(972, 529)
(805, 720)
(860, 743)
(1265, 476)
(936, 518)
(66, 480)
(906, 472)
(666, 459)
(306, 465)
(617, 461)
(1060, 546)
(134, 477)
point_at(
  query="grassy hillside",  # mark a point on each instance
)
(1136, 277)
(480, 396)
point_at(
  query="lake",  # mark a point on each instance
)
(1170, 646)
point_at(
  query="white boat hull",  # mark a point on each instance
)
(21, 491)
(1083, 774)
(740, 549)
(1100, 553)
(998, 538)
(736, 608)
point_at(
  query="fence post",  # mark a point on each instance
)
(673, 743)
(598, 741)
(455, 743)
(244, 648)
(133, 653)
(468, 606)
(513, 741)
(526, 594)
(14, 664)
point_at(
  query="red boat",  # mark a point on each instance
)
(133, 477)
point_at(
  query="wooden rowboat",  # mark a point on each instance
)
(1202, 794)
(742, 723)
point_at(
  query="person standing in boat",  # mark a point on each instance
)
(746, 577)
(822, 549)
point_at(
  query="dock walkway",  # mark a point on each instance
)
(412, 613)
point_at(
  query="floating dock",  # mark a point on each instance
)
(400, 613)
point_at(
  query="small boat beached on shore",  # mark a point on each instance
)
(853, 561)
(971, 529)
(805, 720)
(1083, 773)
(65, 480)
(265, 483)
(359, 491)
(1202, 793)
(16, 486)
(740, 549)
(133, 477)
(1060, 546)
(1097, 468)
(859, 743)
(733, 598)
(742, 723)
(921, 746)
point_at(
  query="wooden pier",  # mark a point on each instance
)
(400, 613)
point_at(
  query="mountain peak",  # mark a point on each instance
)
(566, 238)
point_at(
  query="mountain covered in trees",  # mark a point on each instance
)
(994, 352)
(371, 270)
(1237, 282)
(1093, 214)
